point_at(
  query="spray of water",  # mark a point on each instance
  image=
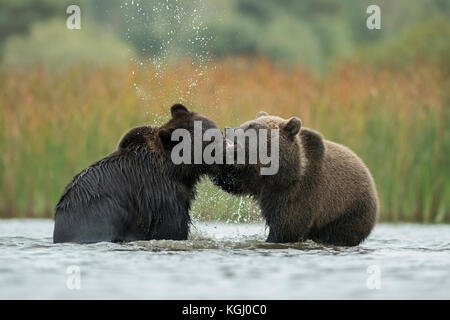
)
(167, 32)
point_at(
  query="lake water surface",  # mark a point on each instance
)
(225, 261)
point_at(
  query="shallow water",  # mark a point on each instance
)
(225, 261)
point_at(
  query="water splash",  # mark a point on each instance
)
(167, 32)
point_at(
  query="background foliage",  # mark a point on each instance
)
(67, 96)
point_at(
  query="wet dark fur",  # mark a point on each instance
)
(333, 200)
(135, 193)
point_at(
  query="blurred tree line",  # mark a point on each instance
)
(315, 33)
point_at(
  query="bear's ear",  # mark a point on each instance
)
(134, 137)
(261, 114)
(178, 110)
(292, 126)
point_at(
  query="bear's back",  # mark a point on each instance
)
(123, 197)
(344, 180)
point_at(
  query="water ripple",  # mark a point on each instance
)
(221, 261)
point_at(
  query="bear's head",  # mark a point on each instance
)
(288, 128)
(188, 128)
(185, 129)
(276, 137)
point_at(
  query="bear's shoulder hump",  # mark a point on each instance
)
(312, 143)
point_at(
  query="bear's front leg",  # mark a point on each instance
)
(288, 229)
(285, 236)
(288, 217)
(271, 237)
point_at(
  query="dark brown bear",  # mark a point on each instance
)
(322, 190)
(135, 193)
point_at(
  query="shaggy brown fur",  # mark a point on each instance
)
(322, 190)
(136, 192)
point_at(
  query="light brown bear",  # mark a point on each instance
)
(322, 191)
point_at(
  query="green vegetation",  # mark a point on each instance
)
(315, 33)
(65, 49)
(53, 126)
(68, 96)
